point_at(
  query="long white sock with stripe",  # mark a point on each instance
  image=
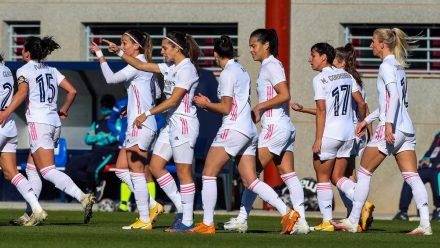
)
(360, 193)
(24, 187)
(325, 200)
(34, 180)
(420, 196)
(347, 186)
(209, 199)
(268, 195)
(296, 193)
(168, 185)
(187, 191)
(124, 176)
(62, 182)
(141, 195)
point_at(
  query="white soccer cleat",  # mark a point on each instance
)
(421, 231)
(300, 228)
(36, 219)
(20, 221)
(346, 225)
(235, 225)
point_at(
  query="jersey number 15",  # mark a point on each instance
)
(42, 86)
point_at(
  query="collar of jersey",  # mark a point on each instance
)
(231, 61)
(183, 62)
(389, 56)
(267, 60)
(327, 68)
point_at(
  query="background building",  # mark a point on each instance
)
(75, 22)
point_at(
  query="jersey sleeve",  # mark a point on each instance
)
(275, 73)
(184, 78)
(130, 72)
(163, 67)
(226, 84)
(21, 78)
(319, 88)
(355, 86)
(387, 73)
(60, 77)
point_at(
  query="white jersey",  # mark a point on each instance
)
(235, 82)
(141, 89)
(184, 76)
(271, 74)
(43, 84)
(335, 86)
(6, 91)
(391, 71)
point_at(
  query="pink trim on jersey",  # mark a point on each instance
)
(17, 179)
(186, 102)
(187, 189)
(184, 126)
(269, 132)
(387, 102)
(254, 184)
(165, 180)
(379, 133)
(269, 93)
(225, 133)
(138, 101)
(234, 109)
(44, 171)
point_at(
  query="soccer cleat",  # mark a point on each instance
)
(176, 223)
(203, 229)
(100, 190)
(20, 221)
(436, 214)
(401, 216)
(36, 219)
(324, 226)
(288, 221)
(87, 202)
(138, 224)
(235, 225)
(421, 231)
(300, 228)
(156, 211)
(182, 228)
(367, 215)
(346, 225)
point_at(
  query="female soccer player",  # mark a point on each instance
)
(39, 84)
(276, 140)
(395, 133)
(8, 147)
(335, 134)
(141, 93)
(235, 138)
(178, 137)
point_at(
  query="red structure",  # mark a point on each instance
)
(278, 18)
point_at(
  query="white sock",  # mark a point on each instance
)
(268, 195)
(24, 187)
(168, 185)
(347, 186)
(151, 203)
(187, 191)
(325, 200)
(124, 176)
(360, 194)
(420, 196)
(35, 182)
(62, 182)
(247, 201)
(141, 195)
(209, 199)
(296, 193)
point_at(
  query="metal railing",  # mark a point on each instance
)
(18, 33)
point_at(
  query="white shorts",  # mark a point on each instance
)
(359, 145)
(402, 142)
(183, 154)
(180, 131)
(8, 144)
(43, 135)
(235, 143)
(143, 137)
(333, 148)
(276, 139)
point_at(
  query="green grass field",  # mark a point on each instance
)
(65, 229)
